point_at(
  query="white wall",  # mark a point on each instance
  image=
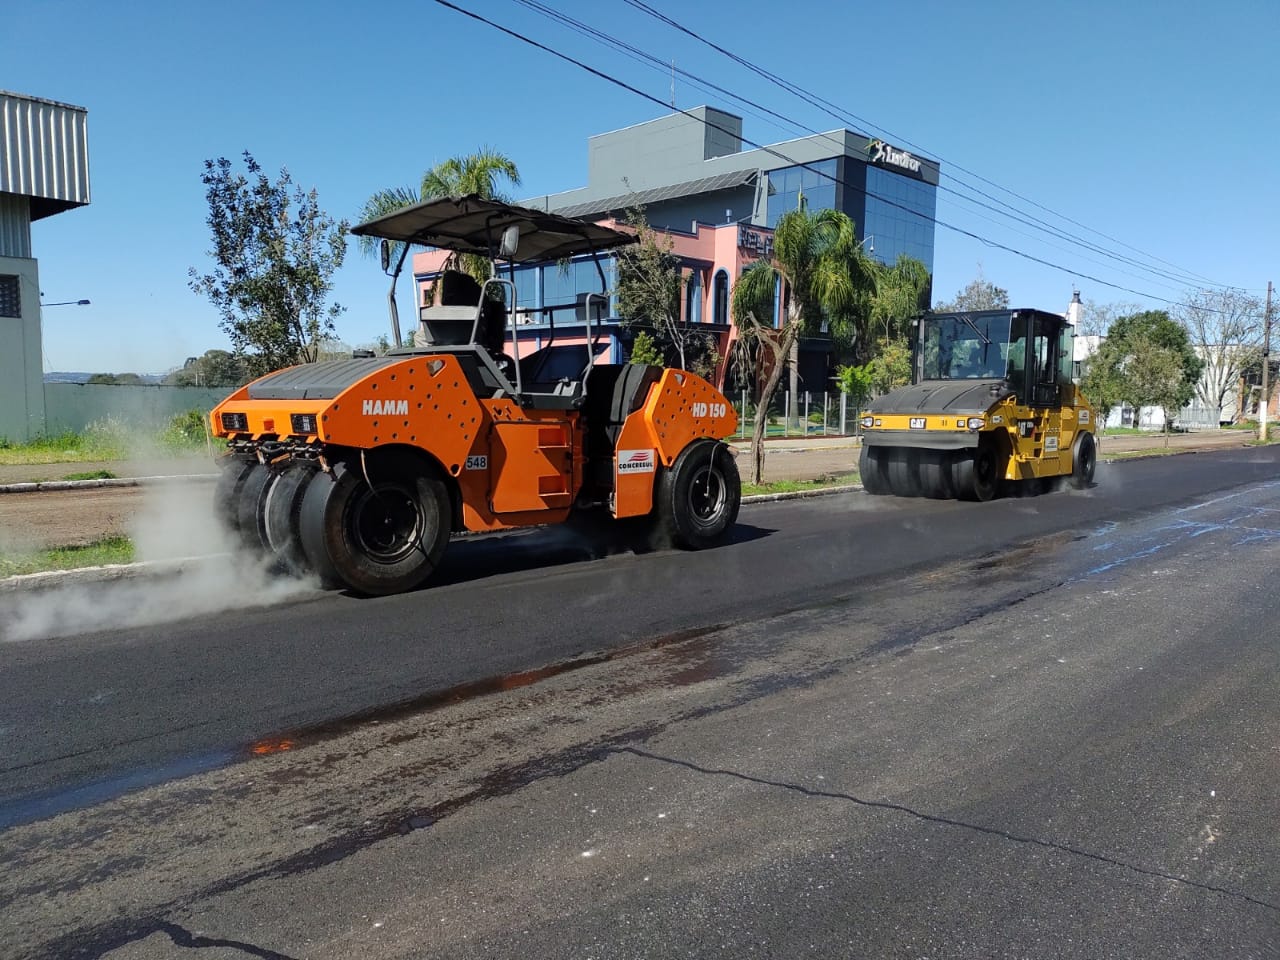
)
(21, 368)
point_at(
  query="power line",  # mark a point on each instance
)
(995, 244)
(644, 57)
(843, 116)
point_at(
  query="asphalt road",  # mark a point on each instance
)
(1036, 727)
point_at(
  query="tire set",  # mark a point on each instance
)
(970, 474)
(379, 525)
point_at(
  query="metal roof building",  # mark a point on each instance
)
(44, 170)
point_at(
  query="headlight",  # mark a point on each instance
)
(303, 422)
(235, 422)
(975, 423)
(867, 422)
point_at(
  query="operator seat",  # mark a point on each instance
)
(458, 289)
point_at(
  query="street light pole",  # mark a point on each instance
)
(1266, 367)
(67, 303)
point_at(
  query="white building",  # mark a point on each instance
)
(44, 169)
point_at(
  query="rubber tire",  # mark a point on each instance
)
(281, 514)
(1084, 462)
(935, 475)
(251, 500)
(678, 519)
(226, 492)
(333, 501)
(904, 472)
(871, 470)
(976, 474)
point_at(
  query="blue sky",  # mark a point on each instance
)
(1149, 121)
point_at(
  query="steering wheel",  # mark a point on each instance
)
(506, 366)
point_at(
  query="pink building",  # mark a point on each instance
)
(712, 257)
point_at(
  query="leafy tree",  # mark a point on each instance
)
(855, 383)
(979, 294)
(1224, 328)
(275, 252)
(216, 368)
(650, 288)
(823, 274)
(890, 368)
(1102, 381)
(1120, 371)
(645, 351)
(1154, 377)
(1096, 318)
(482, 173)
(331, 348)
(115, 379)
(1157, 328)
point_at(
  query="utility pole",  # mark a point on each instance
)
(1266, 368)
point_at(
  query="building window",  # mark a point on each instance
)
(563, 282)
(693, 297)
(10, 297)
(720, 298)
(899, 214)
(814, 182)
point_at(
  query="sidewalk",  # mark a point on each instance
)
(808, 458)
(142, 467)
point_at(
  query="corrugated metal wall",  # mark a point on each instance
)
(44, 150)
(15, 226)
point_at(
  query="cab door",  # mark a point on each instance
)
(1052, 431)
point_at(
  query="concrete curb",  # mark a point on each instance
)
(112, 573)
(802, 494)
(42, 486)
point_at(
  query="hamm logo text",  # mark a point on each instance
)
(374, 408)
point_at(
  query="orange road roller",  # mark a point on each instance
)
(359, 471)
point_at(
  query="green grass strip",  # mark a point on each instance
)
(108, 550)
(797, 486)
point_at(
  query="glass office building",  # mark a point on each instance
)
(898, 216)
(892, 206)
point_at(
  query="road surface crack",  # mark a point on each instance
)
(950, 822)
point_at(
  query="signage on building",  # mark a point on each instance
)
(758, 243)
(882, 152)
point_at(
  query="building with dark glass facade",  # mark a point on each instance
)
(691, 175)
(686, 169)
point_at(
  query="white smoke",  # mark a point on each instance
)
(192, 567)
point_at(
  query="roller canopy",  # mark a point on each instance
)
(472, 224)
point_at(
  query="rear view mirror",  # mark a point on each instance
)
(510, 242)
(384, 254)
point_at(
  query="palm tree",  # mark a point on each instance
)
(822, 273)
(902, 291)
(481, 173)
(478, 172)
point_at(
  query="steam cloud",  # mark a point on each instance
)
(176, 523)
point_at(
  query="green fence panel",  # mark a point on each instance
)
(70, 407)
